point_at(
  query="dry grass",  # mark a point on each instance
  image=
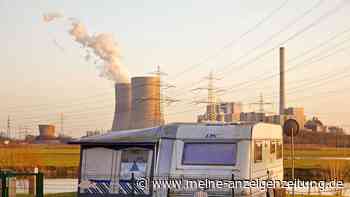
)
(39, 155)
(68, 156)
(301, 151)
(308, 152)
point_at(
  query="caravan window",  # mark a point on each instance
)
(272, 147)
(279, 150)
(257, 152)
(134, 160)
(209, 154)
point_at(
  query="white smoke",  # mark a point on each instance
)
(102, 45)
(48, 17)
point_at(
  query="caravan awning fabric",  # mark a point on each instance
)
(130, 136)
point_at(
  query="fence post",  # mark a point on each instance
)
(132, 184)
(4, 186)
(39, 184)
(234, 184)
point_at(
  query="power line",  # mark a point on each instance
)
(235, 41)
(293, 36)
(261, 103)
(313, 60)
(296, 34)
(277, 9)
(163, 99)
(211, 99)
(330, 53)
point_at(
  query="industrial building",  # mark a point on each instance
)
(252, 116)
(275, 119)
(315, 125)
(296, 113)
(222, 112)
(232, 112)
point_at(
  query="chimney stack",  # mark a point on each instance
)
(282, 81)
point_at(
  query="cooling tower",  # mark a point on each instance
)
(122, 114)
(145, 110)
(46, 132)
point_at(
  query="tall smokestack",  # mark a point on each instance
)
(122, 113)
(282, 81)
(145, 110)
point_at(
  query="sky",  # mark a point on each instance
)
(44, 73)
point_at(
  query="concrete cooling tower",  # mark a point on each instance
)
(145, 98)
(46, 132)
(122, 107)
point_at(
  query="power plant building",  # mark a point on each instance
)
(222, 112)
(296, 113)
(275, 119)
(315, 125)
(252, 117)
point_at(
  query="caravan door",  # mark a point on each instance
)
(107, 170)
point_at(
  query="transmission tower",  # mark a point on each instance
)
(261, 103)
(8, 127)
(61, 124)
(212, 99)
(163, 99)
(25, 134)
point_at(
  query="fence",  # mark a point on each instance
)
(9, 181)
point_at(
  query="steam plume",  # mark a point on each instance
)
(48, 17)
(102, 45)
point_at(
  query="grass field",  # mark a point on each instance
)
(320, 152)
(315, 153)
(68, 156)
(39, 155)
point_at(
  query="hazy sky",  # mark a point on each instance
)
(187, 39)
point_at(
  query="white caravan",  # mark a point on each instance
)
(111, 163)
